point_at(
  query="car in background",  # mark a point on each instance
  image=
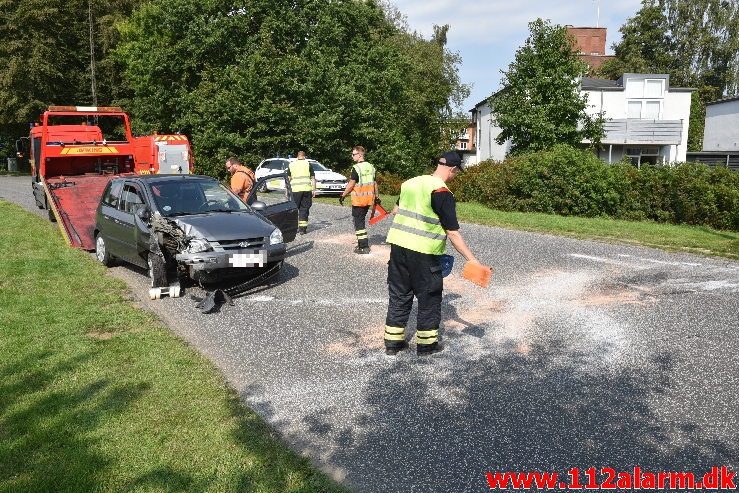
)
(327, 181)
(190, 226)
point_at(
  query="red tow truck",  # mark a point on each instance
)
(76, 150)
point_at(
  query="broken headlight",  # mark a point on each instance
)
(275, 237)
(198, 245)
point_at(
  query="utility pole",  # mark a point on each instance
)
(597, 20)
(92, 55)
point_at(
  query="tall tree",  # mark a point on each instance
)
(539, 104)
(46, 53)
(705, 38)
(645, 45)
(258, 77)
(695, 41)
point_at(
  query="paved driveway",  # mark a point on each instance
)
(580, 354)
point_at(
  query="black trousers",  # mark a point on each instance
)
(304, 200)
(412, 274)
(359, 214)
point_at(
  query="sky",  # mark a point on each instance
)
(487, 33)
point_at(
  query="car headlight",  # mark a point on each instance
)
(198, 245)
(275, 237)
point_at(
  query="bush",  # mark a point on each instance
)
(568, 181)
(389, 183)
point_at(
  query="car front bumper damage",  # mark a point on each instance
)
(232, 259)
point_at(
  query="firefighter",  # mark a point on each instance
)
(303, 185)
(425, 217)
(242, 179)
(363, 187)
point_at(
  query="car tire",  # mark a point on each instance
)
(101, 251)
(157, 270)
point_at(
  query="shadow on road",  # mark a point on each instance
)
(429, 426)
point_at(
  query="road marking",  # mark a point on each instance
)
(600, 259)
(689, 264)
(324, 302)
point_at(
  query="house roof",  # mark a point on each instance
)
(592, 83)
(724, 100)
(481, 103)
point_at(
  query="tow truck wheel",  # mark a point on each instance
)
(52, 217)
(101, 252)
(157, 271)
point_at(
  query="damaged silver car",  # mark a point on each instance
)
(189, 225)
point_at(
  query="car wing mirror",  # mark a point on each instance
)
(259, 206)
(143, 212)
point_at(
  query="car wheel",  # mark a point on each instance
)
(101, 252)
(157, 271)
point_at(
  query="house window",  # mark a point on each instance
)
(651, 110)
(653, 88)
(634, 109)
(643, 155)
(645, 88)
(463, 145)
(647, 110)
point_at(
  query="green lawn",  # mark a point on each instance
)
(96, 395)
(692, 239)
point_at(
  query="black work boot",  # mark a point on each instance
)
(361, 250)
(303, 230)
(427, 350)
(393, 350)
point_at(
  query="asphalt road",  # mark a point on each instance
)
(580, 354)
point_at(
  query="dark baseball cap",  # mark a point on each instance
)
(452, 159)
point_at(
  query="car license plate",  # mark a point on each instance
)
(258, 258)
(336, 187)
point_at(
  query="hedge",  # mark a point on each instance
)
(575, 182)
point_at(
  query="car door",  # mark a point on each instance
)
(108, 219)
(281, 209)
(278, 167)
(132, 198)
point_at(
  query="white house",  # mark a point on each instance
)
(486, 131)
(721, 132)
(720, 135)
(646, 120)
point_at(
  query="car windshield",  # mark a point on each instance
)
(316, 166)
(185, 197)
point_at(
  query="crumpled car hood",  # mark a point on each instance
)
(219, 226)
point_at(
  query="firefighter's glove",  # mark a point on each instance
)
(378, 201)
(341, 199)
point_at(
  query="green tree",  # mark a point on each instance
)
(645, 46)
(262, 77)
(695, 41)
(705, 39)
(539, 104)
(46, 53)
(45, 57)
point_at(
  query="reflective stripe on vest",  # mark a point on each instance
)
(416, 226)
(300, 176)
(364, 190)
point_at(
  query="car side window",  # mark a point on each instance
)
(130, 199)
(113, 194)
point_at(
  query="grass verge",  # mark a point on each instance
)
(97, 395)
(692, 239)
